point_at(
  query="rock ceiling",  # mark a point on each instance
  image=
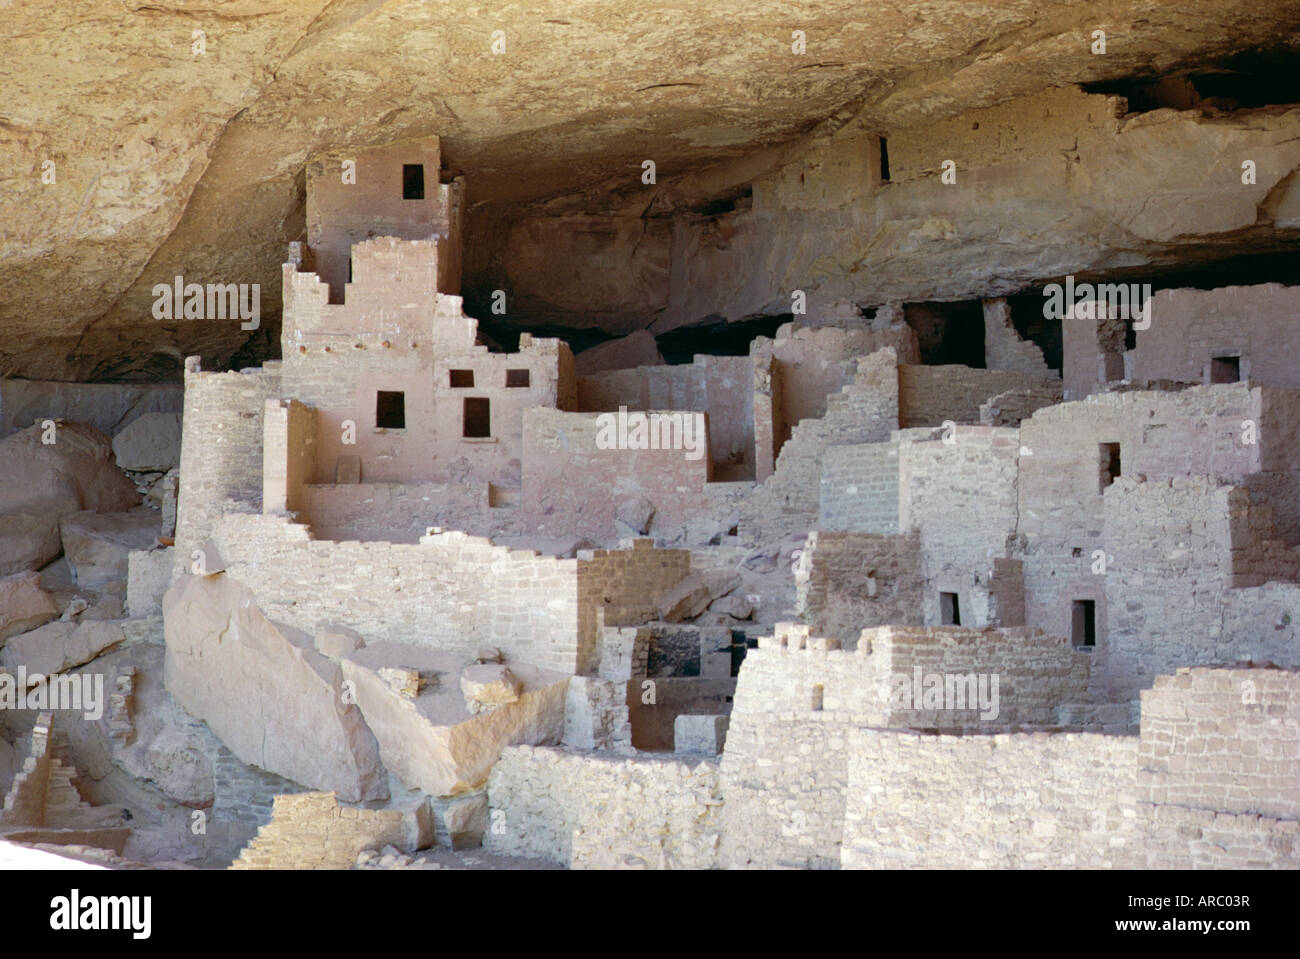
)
(168, 161)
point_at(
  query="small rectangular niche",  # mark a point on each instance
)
(390, 409)
(412, 181)
(1225, 369)
(884, 160)
(518, 379)
(461, 379)
(949, 609)
(478, 418)
(818, 695)
(1083, 622)
(1108, 456)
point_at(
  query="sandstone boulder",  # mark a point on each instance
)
(42, 482)
(57, 647)
(433, 743)
(98, 545)
(23, 604)
(693, 594)
(625, 353)
(151, 442)
(265, 691)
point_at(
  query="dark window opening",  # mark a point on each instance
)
(478, 418)
(1225, 369)
(884, 160)
(948, 333)
(949, 609)
(517, 378)
(461, 379)
(413, 181)
(818, 695)
(390, 410)
(1110, 465)
(1083, 622)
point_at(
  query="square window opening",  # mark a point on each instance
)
(518, 379)
(1083, 622)
(949, 609)
(461, 379)
(1108, 455)
(412, 181)
(390, 409)
(1225, 369)
(478, 418)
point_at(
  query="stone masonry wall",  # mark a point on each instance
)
(1210, 783)
(929, 395)
(1223, 739)
(1062, 490)
(859, 488)
(593, 811)
(1191, 327)
(846, 582)
(865, 411)
(959, 494)
(312, 831)
(450, 591)
(718, 385)
(572, 487)
(1175, 545)
(221, 449)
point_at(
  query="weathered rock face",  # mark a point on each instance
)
(97, 545)
(193, 166)
(61, 646)
(23, 604)
(42, 482)
(434, 742)
(265, 691)
(151, 442)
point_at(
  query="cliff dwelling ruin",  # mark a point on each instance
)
(422, 449)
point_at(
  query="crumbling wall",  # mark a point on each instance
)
(1009, 408)
(312, 831)
(1003, 347)
(930, 395)
(590, 811)
(846, 582)
(866, 411)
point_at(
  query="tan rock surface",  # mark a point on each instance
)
(23, 604)
(433, 743)
(42, 482)
(265, 691)
(190, 165)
